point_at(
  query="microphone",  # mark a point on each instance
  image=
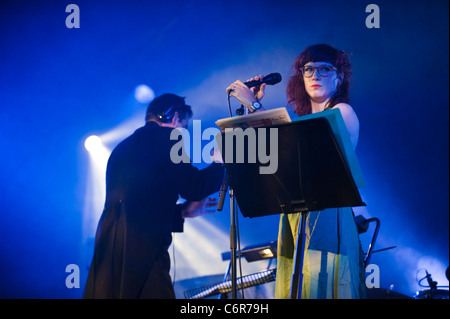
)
(223, 191)
(272, 78)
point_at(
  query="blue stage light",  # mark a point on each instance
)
(144, 94)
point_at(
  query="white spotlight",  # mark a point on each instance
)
(93, 143)
(96, 188)
(144, 94)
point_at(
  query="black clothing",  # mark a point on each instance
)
(134, 232)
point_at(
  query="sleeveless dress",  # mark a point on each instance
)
(333, 263)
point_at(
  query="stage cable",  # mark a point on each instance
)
(419, 281)
(229, 105)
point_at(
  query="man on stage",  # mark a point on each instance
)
(142, 187)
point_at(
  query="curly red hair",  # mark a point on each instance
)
(298, 98)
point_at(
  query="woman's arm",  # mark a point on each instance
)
(351, 121)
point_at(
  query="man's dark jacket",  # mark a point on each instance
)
(142, 188)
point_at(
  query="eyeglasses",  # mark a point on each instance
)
(324, 70)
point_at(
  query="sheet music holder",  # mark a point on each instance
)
(313, 173)
(258, 119)
(262, 118)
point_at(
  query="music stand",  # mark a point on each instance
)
(312, 175)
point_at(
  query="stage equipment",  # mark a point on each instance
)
(272, 78)
(363, 225)
(250, 253)
(256, 252)
(317, 169)
(433, 292)
(276, 116)
(224, 287)
(382, 293)
(233, 239)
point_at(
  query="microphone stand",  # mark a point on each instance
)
(233, 239)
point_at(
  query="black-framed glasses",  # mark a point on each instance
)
(324, 70)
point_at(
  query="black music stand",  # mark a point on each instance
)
(312, 175)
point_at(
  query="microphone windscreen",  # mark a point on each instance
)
(272, 78)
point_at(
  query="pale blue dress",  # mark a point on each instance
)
(333, 265)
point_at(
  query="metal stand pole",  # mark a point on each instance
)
(233, 245)
(297, 276)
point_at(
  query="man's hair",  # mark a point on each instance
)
(163, 108)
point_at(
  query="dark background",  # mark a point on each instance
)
(60, 85)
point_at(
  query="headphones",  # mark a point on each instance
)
(168, 115)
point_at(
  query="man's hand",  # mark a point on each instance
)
(207, 205)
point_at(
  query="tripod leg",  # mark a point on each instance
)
(297, 276)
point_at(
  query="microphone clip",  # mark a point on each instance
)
(241, 110)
